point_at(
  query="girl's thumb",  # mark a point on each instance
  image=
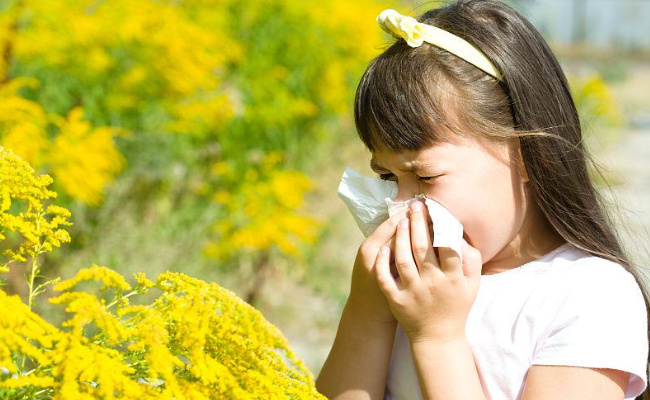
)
(472, 261)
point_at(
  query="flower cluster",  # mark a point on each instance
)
(173, 338)
(265, 213)
(83, 158)
(195, 340)
(23, 211)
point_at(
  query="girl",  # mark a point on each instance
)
(471, 108)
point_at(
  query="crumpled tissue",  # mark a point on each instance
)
(370, 200)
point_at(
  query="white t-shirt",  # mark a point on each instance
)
(566, 308)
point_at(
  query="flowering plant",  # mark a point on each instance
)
(174, 337)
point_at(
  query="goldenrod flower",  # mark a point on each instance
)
(265, 214)
(108, 277)
(84, 158)
(38, 224)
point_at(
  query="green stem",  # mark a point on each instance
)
(121, 298)
(32, 277)
(35, 271)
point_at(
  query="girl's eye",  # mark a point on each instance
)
(391, 177)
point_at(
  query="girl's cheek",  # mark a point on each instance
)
(437, 190)
(461, 202)
(445, 194)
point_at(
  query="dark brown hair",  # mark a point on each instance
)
(408, 97)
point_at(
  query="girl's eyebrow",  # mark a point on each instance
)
(415, 166)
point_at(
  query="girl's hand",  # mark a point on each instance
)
(366, 299)
(431, 299)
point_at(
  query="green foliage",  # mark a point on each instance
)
(160, 94)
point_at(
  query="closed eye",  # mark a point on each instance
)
(391, 177)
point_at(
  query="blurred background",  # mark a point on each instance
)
(209, 136)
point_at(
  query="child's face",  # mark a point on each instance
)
(482, 186)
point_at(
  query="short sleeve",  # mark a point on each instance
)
(600, 322)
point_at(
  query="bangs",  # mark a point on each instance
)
(404, 101)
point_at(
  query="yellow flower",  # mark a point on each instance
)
(143, 283)
(84, 158)
(22, 331)
(108, 277)
(220, 168)
(265, 214)
(86, 309)
(40, 226)
(88, 371)
(222, 197)
(22, 122)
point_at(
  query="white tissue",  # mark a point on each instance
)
(366, 198)
(370, 200)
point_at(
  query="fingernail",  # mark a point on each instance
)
(383, 251)
(416, 206)
(403, 223)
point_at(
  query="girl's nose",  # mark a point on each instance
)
(407, 188)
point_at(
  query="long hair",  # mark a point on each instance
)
(408, 96)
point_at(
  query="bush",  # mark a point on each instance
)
(173, 338)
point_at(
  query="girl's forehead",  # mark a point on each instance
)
(409, 160)
(437, 155)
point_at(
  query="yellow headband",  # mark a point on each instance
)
(415, 33)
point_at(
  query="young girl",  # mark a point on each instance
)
(470, 108)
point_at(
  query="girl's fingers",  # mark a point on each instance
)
(450, 261)
(385, 280)
(404, 262)
(421, 241)
(385, 232)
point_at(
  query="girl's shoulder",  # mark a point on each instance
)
(573, 264)
(567, 274)
(574, 281)
(570, 263)
(591, 313)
